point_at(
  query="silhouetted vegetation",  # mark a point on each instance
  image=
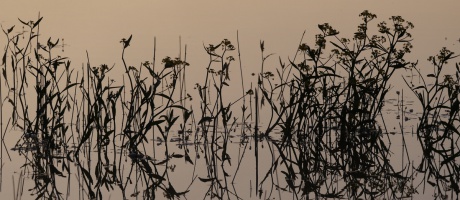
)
(325, 131)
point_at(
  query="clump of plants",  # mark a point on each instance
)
(327, 106)
(326, 132)
(438, 129)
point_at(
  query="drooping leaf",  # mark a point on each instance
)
(4, 58)
(454, 108)
(87, 175)
(206, 179)
(450, 158)
(54, 170)
(187, 158)
(23, 22)
(177, 155)
(4, 74)
(336, 45)
(205, 119)
(450, 127)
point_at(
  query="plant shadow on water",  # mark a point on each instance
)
(325, 136)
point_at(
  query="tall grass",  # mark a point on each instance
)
(325, 129)
(438, 130)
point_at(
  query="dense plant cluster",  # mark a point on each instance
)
(325, 130)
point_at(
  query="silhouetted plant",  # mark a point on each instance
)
(438, 129)
(325, 105)
(328, 120)
(45, 133)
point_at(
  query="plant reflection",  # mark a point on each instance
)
(323, 138)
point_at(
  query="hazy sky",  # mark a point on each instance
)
(98, 26)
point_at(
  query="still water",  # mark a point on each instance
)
(176, 128)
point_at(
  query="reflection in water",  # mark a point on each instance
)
(138, 138)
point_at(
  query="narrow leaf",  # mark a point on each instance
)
(38, 22)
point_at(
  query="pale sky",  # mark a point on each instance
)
(98, 26)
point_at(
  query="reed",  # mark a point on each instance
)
(319, 116)
(438, 133)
